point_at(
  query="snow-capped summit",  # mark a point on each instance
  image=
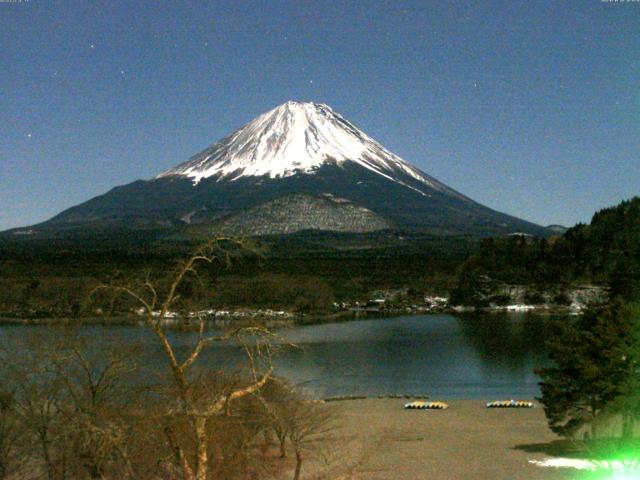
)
(294, 138)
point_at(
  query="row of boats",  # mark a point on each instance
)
(421, 405)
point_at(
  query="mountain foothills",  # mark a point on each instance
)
(300, 166)
(306, 272)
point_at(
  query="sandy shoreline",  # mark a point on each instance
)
(467, 441)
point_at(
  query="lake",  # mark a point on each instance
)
(477, 356)
(480, 356)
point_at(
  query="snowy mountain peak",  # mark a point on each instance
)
(297, 138)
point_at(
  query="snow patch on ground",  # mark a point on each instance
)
(187, 218)
(591, 465)
(577, 463)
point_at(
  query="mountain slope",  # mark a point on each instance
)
(297, 138)
(297, 212)
(295, 151)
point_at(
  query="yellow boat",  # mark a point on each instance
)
(420, 405)
(510, 404)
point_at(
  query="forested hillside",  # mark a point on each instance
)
(310, 271)
(605, 252)
(302, 272)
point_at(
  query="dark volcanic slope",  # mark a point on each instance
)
(295, 151)
(173, 200)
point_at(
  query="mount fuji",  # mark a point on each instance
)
(300, 166)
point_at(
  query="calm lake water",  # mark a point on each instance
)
(479, 356)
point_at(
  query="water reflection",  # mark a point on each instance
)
(481, 356)
(506, 340)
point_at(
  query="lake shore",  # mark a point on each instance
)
(466, 441)
(276, 319)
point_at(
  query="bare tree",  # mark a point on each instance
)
(191, 447)
(65, 406)
(11, 438)
(308, 423)
(277, 399)
(295, 420)
(95, 395)
(38, 399)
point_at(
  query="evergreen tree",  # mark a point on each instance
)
(628, 401)
(591, 373)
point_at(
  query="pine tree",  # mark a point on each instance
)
(628, 401)
(591, 371)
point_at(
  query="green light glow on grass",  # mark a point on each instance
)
(607, 459)
(623, 465)
(608, 475)
(625, 475)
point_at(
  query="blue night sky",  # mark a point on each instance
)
(531, 108)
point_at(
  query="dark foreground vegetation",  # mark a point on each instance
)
(591, 389)
(594, 379)
(76, 409)
(72, 407)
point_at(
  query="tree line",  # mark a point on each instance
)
(605, 252)
(54, 280)
(594, 379)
